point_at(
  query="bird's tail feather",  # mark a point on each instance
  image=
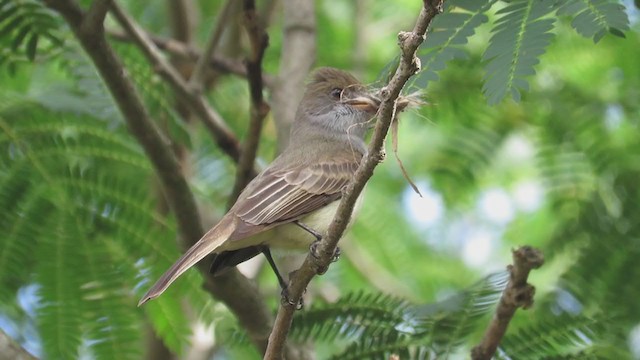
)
(213, 239)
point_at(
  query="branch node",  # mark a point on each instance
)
(403, 39)
(384, 93)
(521, 296)
(530, 257)
(517, 294)
(437, 5)
(94, 17)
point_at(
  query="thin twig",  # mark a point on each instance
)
(188, 52)
(9, 349)
(409, 65)
(196, 81)
(213, 121)
(259, 108)
(240, 295)
(516, 294)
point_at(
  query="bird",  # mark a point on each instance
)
(290, 204)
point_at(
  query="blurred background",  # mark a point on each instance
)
(82, 235)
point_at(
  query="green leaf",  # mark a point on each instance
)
(593, 18)
(447, 34)
(553, 337)
(520, 36)
(32, 46)
(28, 19)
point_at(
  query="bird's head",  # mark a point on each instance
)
(336, 101)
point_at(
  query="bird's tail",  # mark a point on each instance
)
(212, 240)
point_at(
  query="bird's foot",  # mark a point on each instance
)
(286, 300)
(313, 248)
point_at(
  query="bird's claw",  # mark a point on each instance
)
(286, 300)
(313, 248)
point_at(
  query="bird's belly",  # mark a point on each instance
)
(293, 237)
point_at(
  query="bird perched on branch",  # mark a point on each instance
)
(293, 201)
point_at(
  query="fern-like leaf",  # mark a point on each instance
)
(567, 175)
(593, 18)
(23, 27)
(349, 317)
(448, 323)
(553, 337)
(462, 159)
(58, 260)
(374, 326)
(520, 36)
(447, 34)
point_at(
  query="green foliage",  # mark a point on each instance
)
(65, 221)
(593, 18)
(522, 30)
(83, 222)
(556, 337)
(374, 326)
(448, 33)
(27, 28)
(520, 36)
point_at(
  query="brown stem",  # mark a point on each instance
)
(516, 294)
(188, 52)
(196, 81)
(9, 349)
(259, 108)
(232, 288)
(408, 66)
(136, 116)
(94, 17)
(213, 121)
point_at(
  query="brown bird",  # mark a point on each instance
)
(292, 202)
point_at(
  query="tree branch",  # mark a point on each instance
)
(296, 59)
(516, 294)
(196, 81)
(186, 51)
(232, 288)
(259, 108)
(94, 18)
(213, 121)
(10, 350)
(408, 66)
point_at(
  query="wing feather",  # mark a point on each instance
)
(294, 193)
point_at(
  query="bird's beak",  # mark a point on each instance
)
(367, 103)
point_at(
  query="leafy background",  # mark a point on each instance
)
(530, 137)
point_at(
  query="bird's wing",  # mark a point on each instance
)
(287, 195)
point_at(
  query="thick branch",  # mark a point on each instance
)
(517, 294)
(259, 108)
(213, 121)
(94, 18)
(10, 350)
(297, 58)
(409, 65)
(231, 287)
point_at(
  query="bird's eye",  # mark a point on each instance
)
(336, 93)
